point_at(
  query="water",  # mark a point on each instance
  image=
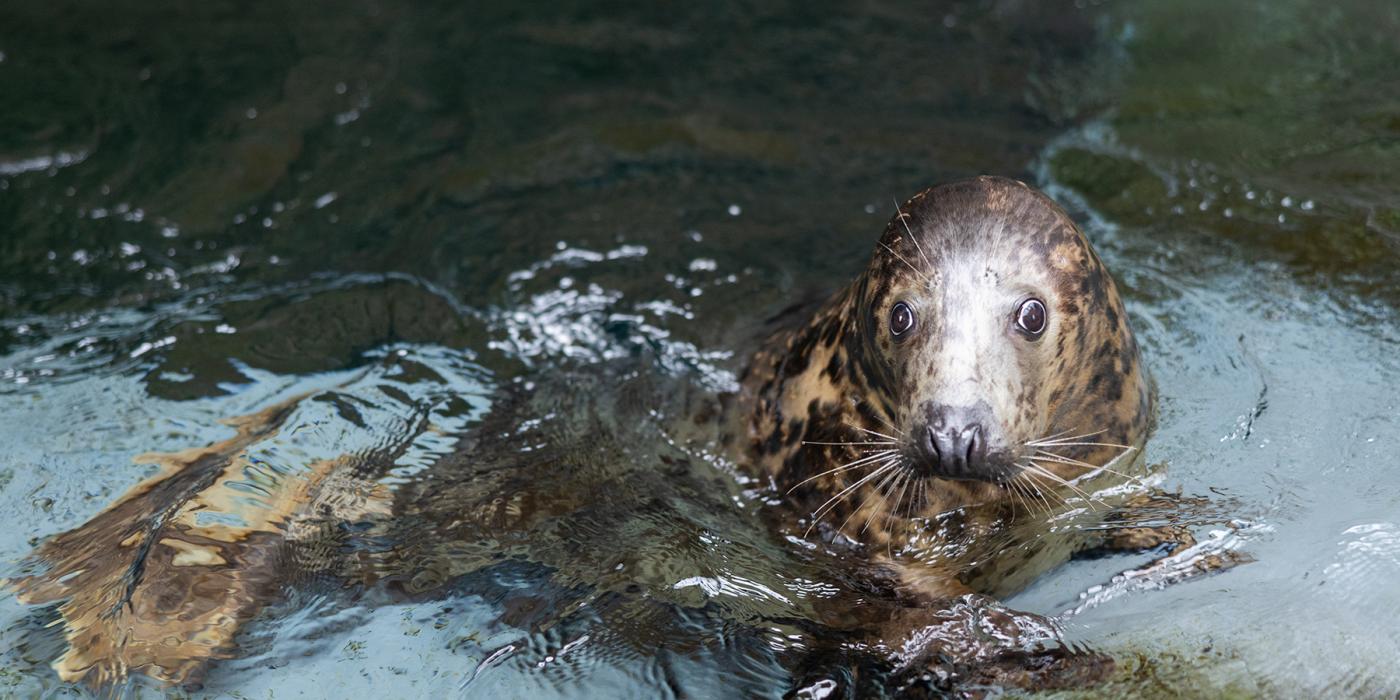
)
(213, 209)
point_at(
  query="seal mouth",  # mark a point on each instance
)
(995, 468)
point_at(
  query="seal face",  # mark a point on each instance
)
(982, 356)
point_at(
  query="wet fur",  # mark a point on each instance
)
(840, 379)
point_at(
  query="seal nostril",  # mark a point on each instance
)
(974, 439)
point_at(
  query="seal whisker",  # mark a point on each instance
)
(1039, 469)
(912, 480)
(856, 511)
(872, 432)
(824, 508)
(1050, 456)
(1057, 438)
(1038, 490)
(1060, 436)
(903, 487)
(923, 496)
(916, 270)
(1053, 436)
(906, 476)
(1021, 496)
(891, 479)
(831, 504)
(1031, 495)
(1042, 490)
(1083, 444)
(1015, 490)
(882, 422)
(1050, 495)
(843, 444)
(899, 214)
(876, 457)
(903, 490)
(1063, 459)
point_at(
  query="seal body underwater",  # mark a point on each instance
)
(979, 365)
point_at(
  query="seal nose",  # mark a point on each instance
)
(956, 441)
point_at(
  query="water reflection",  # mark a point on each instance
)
(590, 214)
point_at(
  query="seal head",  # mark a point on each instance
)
(984, 350)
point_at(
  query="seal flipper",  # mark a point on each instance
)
(160, 582)
(1162, 522)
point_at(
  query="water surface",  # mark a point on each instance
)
(209, 209)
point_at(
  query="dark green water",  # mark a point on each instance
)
(205, 207)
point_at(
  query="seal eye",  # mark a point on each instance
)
(901, 319)
(1031, 317)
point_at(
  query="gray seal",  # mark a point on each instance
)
(981, 360)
